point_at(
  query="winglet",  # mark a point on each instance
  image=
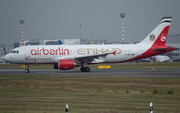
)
(114, 52)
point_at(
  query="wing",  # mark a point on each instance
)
(89, 58)
(95, 58)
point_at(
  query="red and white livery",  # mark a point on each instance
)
(66, 57)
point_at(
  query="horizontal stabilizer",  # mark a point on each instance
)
(160, 49)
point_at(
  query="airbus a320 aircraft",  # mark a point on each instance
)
(66, 57)
(160, 58)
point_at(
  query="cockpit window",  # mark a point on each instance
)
(14, 51)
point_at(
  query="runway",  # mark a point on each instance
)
(123, 73)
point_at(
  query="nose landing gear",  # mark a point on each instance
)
(27, 69)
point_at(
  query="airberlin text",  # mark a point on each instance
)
(58, 51)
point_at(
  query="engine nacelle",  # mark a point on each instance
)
(64, 64)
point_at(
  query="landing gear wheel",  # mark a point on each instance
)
(88, 69)
(83, 69)
(26, 70)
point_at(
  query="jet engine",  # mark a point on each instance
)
(64, 64)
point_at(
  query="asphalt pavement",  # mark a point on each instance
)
(125, 73)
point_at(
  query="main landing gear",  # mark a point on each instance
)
(27, 69)
(85, 69)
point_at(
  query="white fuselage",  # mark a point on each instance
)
(160, 58)
(44, 54)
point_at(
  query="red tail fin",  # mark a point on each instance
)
(161, 39)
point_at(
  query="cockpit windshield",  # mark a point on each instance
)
(14, 51)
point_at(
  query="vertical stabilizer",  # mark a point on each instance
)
(4, 51)
(159, 34)
(59, 41)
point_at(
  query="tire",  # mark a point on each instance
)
(26, 70)
(88, 69)
(83, 69)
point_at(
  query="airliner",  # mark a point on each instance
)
(160, 58)
(65, 57)
(2, 57)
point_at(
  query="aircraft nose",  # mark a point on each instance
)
(6, 58)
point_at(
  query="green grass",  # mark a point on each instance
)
(87, 94)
